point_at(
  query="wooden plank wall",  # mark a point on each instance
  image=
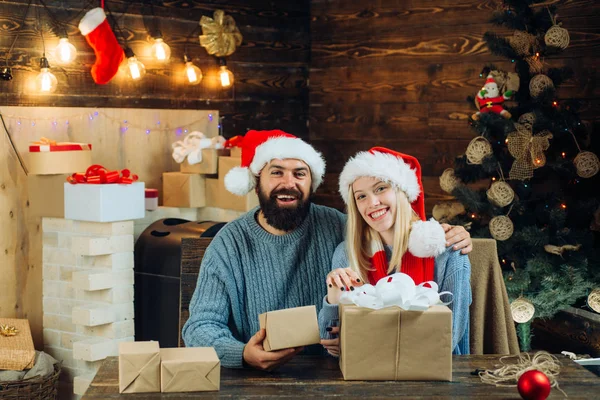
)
(270, 67)
(396, 73)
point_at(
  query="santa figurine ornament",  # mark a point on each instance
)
(490, 100)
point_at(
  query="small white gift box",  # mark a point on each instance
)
(104, 202)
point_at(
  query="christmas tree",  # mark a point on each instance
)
(540, 164)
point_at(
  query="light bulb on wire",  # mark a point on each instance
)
(193, 74)
(160, 50)
(45, 82)
(135, 69)
(225, 75)
(65, 52)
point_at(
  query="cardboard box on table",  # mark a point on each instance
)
(59, 158)
(209, 164)
(395, 344)
(292, 327)
(108, 202)
(218, 196)
(139, 367)
(190, 369)
(16, 352)
(183, 190)
(47, 195)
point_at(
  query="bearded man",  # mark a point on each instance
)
(273, 257)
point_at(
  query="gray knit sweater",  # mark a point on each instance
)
(247, 271)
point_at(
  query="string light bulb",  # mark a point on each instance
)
(135, 69)
(160, 50)
(193, 74)
(225, 75)
(45, 82)
(554, 103)
(65, 52)
(563, 206)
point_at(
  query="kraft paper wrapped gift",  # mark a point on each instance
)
(47, 195)
(218, 196)
(108, 202)
(236, 152)
(139, 367)
(59, 158)
(292, 327)
(183, 190)
(208, 165)
(395, 344)
(190, 369)
(16, 352)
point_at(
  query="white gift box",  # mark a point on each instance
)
(104, 202)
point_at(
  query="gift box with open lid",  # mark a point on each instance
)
(395, 331)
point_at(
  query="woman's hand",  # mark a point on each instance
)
(332, 345)
(340, 280)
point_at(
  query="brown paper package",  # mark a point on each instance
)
(189, 369)
(139, 367)
(59, 162)
(292, 327)
(209, 164)
(16, 352)
(183, 190)
(394, 344)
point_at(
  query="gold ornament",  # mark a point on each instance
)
(448, 181)
(522, 310)
(538, 84)
(587, 164)
(8, 330)
(593, 300)
(501, 227)
(478, 149)
(527, 120)
(521, 42)
(219, 36)
(528, 151)
(446, 211)
(557, 37)
(500, 193)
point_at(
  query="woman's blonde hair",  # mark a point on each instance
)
(359, 235)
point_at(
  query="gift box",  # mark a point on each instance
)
(191, 369)
(183, 190)
(139, 367)
(151, 199)
(395, 330)
(226, 164)
(16, 345)
(208, 165)
(59, 158)
(292, 327)
(47, 195)
(108, 202)
(236, 152)
(218, 196)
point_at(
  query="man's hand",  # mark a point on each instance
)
(332, 345)
(256, 356)
(340, 280)
(458, 238)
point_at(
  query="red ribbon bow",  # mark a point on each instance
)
(97, 174)
(235, 141)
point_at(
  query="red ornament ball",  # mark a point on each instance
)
(534, 385)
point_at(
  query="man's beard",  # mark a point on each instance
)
(283, 218)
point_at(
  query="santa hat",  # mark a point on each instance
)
(490, 79)
(427, 238)
(260, 147)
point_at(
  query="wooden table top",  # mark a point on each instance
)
(320, 377)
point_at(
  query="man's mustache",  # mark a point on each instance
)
(286, 192)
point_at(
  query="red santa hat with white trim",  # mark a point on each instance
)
(427, 238)
(260, 147)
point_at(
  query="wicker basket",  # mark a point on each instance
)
(33, 388)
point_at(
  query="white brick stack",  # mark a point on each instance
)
(87, 293)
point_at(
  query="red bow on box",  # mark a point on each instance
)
(235, 141)
(97, 174)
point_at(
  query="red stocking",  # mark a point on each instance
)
(101, 38)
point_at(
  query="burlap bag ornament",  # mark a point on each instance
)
(535, 64)
(528, 151)
(500, 194)
(501, 227)
(557, 37)
(448, 181)
(593, 300)
(522, 310)
(538, 84)
(587, 164)
(521, 42)
(477, 150)
(219, 36)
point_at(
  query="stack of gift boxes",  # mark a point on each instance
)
(202, 184)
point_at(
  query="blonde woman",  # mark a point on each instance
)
(387, 232)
